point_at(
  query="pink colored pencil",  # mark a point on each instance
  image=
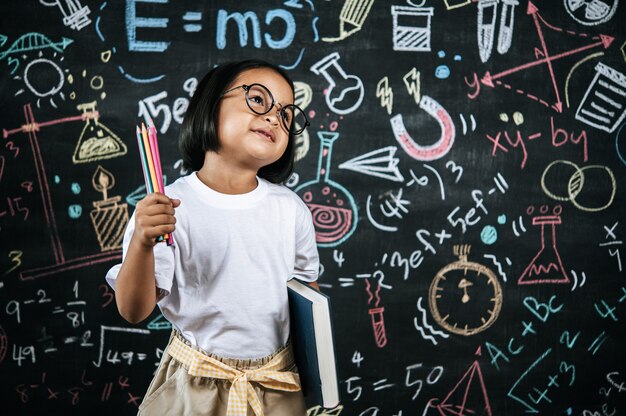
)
(156, 157)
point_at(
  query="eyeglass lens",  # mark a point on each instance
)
(260, 101)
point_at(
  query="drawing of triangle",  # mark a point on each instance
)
(542, 60)
(159, 323)
(97, 142)
(469, 396)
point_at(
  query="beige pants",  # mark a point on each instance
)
(174, 392)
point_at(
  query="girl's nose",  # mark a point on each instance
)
(272, 117)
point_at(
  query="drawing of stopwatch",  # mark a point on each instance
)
(465, 297)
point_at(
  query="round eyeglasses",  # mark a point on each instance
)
(261, 101)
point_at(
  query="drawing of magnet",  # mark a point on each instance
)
(436, 150)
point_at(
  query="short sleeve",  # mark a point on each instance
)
(164, 261)
(307, 260)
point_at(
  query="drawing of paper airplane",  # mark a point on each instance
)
(380, 163)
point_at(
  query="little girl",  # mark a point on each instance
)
(239, 237)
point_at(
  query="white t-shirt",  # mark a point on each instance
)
(225, 279)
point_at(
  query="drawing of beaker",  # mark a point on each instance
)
(96, 141)
(345, 92)
(411, 27)
(546, 266)
(333, 208)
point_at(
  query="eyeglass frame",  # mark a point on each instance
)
(280, 110)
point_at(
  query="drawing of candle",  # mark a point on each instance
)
(96, 141)
(345, 92)
(546, 266)
(352, 17)
(109, 218)
(411, 27)
(333, 208)
(377, 315)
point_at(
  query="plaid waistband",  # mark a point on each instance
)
(241, 392)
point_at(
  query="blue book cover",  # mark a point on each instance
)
(313, 343)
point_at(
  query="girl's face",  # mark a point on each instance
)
(249, 140)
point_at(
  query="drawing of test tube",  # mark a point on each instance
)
(352, 17)
(332, 206)
(414, 33)
(109, 218)
(505, 33)
(377, 315)
(345, 92)
(378, 325)
(546, 266)
(486, 25)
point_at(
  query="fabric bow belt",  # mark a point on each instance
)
(241, 392)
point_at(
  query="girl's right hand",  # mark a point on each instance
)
(154, 217)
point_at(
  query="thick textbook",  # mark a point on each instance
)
(313, 343)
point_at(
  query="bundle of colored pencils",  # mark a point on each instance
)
(151, 163)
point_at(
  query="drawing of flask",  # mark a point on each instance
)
(345, 92)
(546, 266)
(333, 208)
(96, 141)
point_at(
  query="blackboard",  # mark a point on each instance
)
(465, 167)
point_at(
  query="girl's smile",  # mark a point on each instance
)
(266, 134)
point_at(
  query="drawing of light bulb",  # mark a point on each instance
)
(333, 208)
(75, 15)
(345, 92)
(546, 266)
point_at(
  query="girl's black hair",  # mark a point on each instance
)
(198, 133)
